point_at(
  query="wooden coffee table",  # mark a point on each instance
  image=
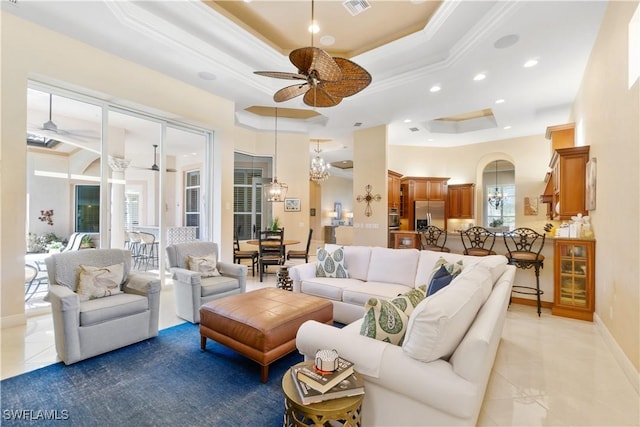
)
(261, 325)
(346, 410)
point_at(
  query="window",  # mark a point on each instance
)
(506, 215)
(87, 208)
(247, 201)
(131, 210)
(192, 200)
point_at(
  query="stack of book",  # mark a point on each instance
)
(317, 386)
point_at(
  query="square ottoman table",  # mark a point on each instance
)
(261, 325)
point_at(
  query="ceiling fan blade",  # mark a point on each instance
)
(281, 75)
(310, 59)
(354, 79)
(319, 97)
(290, 92)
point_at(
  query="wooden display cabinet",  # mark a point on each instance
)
(574, 273)
(461, 201)
(569, 170)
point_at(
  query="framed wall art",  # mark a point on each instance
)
(292, 205)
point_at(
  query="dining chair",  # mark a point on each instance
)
(478, 241)
(301, 254)
(239, 255)
(434, 239)
(268, 254)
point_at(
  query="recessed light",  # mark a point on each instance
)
(435, 88)
(499, 101)
(506, 41)
(430, 140)
(205, 75)
(407, 120)
(530, 63)
(327, 40)
(507, 127)
(479, 77)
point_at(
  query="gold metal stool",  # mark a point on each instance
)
(346, 410)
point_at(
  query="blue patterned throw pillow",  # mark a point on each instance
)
(443, 273)
(331, 264)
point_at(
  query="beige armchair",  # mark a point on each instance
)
(191, 290)
(87, 326)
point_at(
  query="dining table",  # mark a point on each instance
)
(273, 243)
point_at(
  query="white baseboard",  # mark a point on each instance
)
(11, 321)
(627, 367)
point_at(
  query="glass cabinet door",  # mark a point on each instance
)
(574, 270)
(573, 275)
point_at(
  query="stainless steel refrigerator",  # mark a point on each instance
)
(429, 213)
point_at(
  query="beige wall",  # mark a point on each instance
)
(370, 168)
(32, 52)
(607, 114)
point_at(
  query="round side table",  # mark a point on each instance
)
(346, 410)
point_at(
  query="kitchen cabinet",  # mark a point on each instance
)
(569, 167)
(405, 240)
(574, 273)
(393, 189)
(565, 191)
(460, 198)
(423, 189)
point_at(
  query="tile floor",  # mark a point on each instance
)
(549, 371)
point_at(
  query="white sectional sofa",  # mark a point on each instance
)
(439, 373)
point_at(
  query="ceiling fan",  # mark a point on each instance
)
(51, 126)
(154, 167)
(325, 80)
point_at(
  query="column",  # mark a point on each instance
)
(118, 166)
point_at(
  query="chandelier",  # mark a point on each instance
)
(496, 198)
(275, 191)
(319, 170)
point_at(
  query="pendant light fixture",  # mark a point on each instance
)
(275, 191)
(496, 198)
(319, 170)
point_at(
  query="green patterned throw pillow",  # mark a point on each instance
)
(331, 264)
(408, 301)
(384, 321)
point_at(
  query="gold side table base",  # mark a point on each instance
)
(345, 410)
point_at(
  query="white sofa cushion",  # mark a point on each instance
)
(356, 259)
(329, 288)
(428, 259)
(440, 321)
(359, 293)
(393, 266)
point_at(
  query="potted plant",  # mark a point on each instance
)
(54, 247)
(86, 242)
(275, 224)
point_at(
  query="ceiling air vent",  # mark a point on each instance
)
(355, 7)
(414, 129)
(357, 124)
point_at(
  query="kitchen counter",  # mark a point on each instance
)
(411, 239)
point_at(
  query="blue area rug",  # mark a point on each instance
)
(164, 381)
